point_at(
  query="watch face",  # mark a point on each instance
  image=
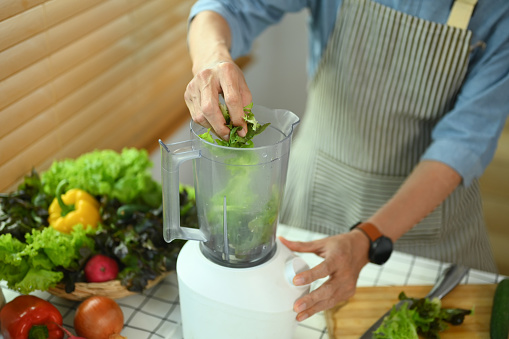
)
(380, 250)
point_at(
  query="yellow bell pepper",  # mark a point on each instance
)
(74, 207)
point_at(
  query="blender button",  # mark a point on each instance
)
(293, 267)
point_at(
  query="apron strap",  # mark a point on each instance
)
(460, 13)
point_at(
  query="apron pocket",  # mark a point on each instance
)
(342, 195)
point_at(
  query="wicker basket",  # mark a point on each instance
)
(112, 289)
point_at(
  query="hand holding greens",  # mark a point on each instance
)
(253, 128)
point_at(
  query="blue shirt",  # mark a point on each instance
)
(466, 137)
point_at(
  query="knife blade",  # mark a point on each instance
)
(449, 279)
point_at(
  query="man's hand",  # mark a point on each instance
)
(345, 255)
(215, 73)
(202, 97)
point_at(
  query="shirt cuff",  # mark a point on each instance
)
(456, 156)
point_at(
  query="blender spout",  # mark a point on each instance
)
(287, 121)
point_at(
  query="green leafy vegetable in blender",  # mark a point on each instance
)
(253, 128)
(249, 229)
(424, 317)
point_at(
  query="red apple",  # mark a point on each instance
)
(101, 268)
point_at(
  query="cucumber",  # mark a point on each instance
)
(499, 325)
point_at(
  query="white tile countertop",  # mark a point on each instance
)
(156, 313)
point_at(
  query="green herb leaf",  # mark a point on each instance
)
(253, 128)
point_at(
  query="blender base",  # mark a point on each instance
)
(247, 303)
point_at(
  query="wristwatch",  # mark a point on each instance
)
(380, 246)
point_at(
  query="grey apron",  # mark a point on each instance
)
(384, 81)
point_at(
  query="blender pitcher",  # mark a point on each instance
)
(238, 190)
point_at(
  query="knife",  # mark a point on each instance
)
(451, 277)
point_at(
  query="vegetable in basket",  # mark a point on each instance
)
(24, 209)
(124, 176)
(34, 256)
(39, 262)
(101, 268)
(72, 208)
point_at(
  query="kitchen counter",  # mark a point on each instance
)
(156, 314)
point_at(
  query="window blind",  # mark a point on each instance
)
(82, 75)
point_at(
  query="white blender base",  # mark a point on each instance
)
(238, 303)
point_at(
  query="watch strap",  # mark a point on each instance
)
(370, 230)
(380, 248)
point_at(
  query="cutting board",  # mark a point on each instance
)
(353, 318)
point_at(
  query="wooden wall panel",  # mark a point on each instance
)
(21, 27)
(81, 75)
(22, 55)
(10, 8)
(495, 192)
(23, 110)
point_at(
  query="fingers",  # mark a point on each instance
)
(300, 246)
(233, 94)
(202, 100)
(194, 106)
(233, 99)
(211, 113)
(342, 264)
(307, 277)
(202, 97)
(326, 296)
(319, 271)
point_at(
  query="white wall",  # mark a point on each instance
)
(277, 77)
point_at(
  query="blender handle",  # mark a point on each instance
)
(170, 164)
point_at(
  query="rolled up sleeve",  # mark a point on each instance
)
(247, 19)
(466, 138)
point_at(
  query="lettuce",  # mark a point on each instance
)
(123, 176)
(398, 324)
(35, 264)
(424, 317)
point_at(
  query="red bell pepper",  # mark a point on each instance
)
(28, 316)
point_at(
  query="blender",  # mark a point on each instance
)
(234, 275)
